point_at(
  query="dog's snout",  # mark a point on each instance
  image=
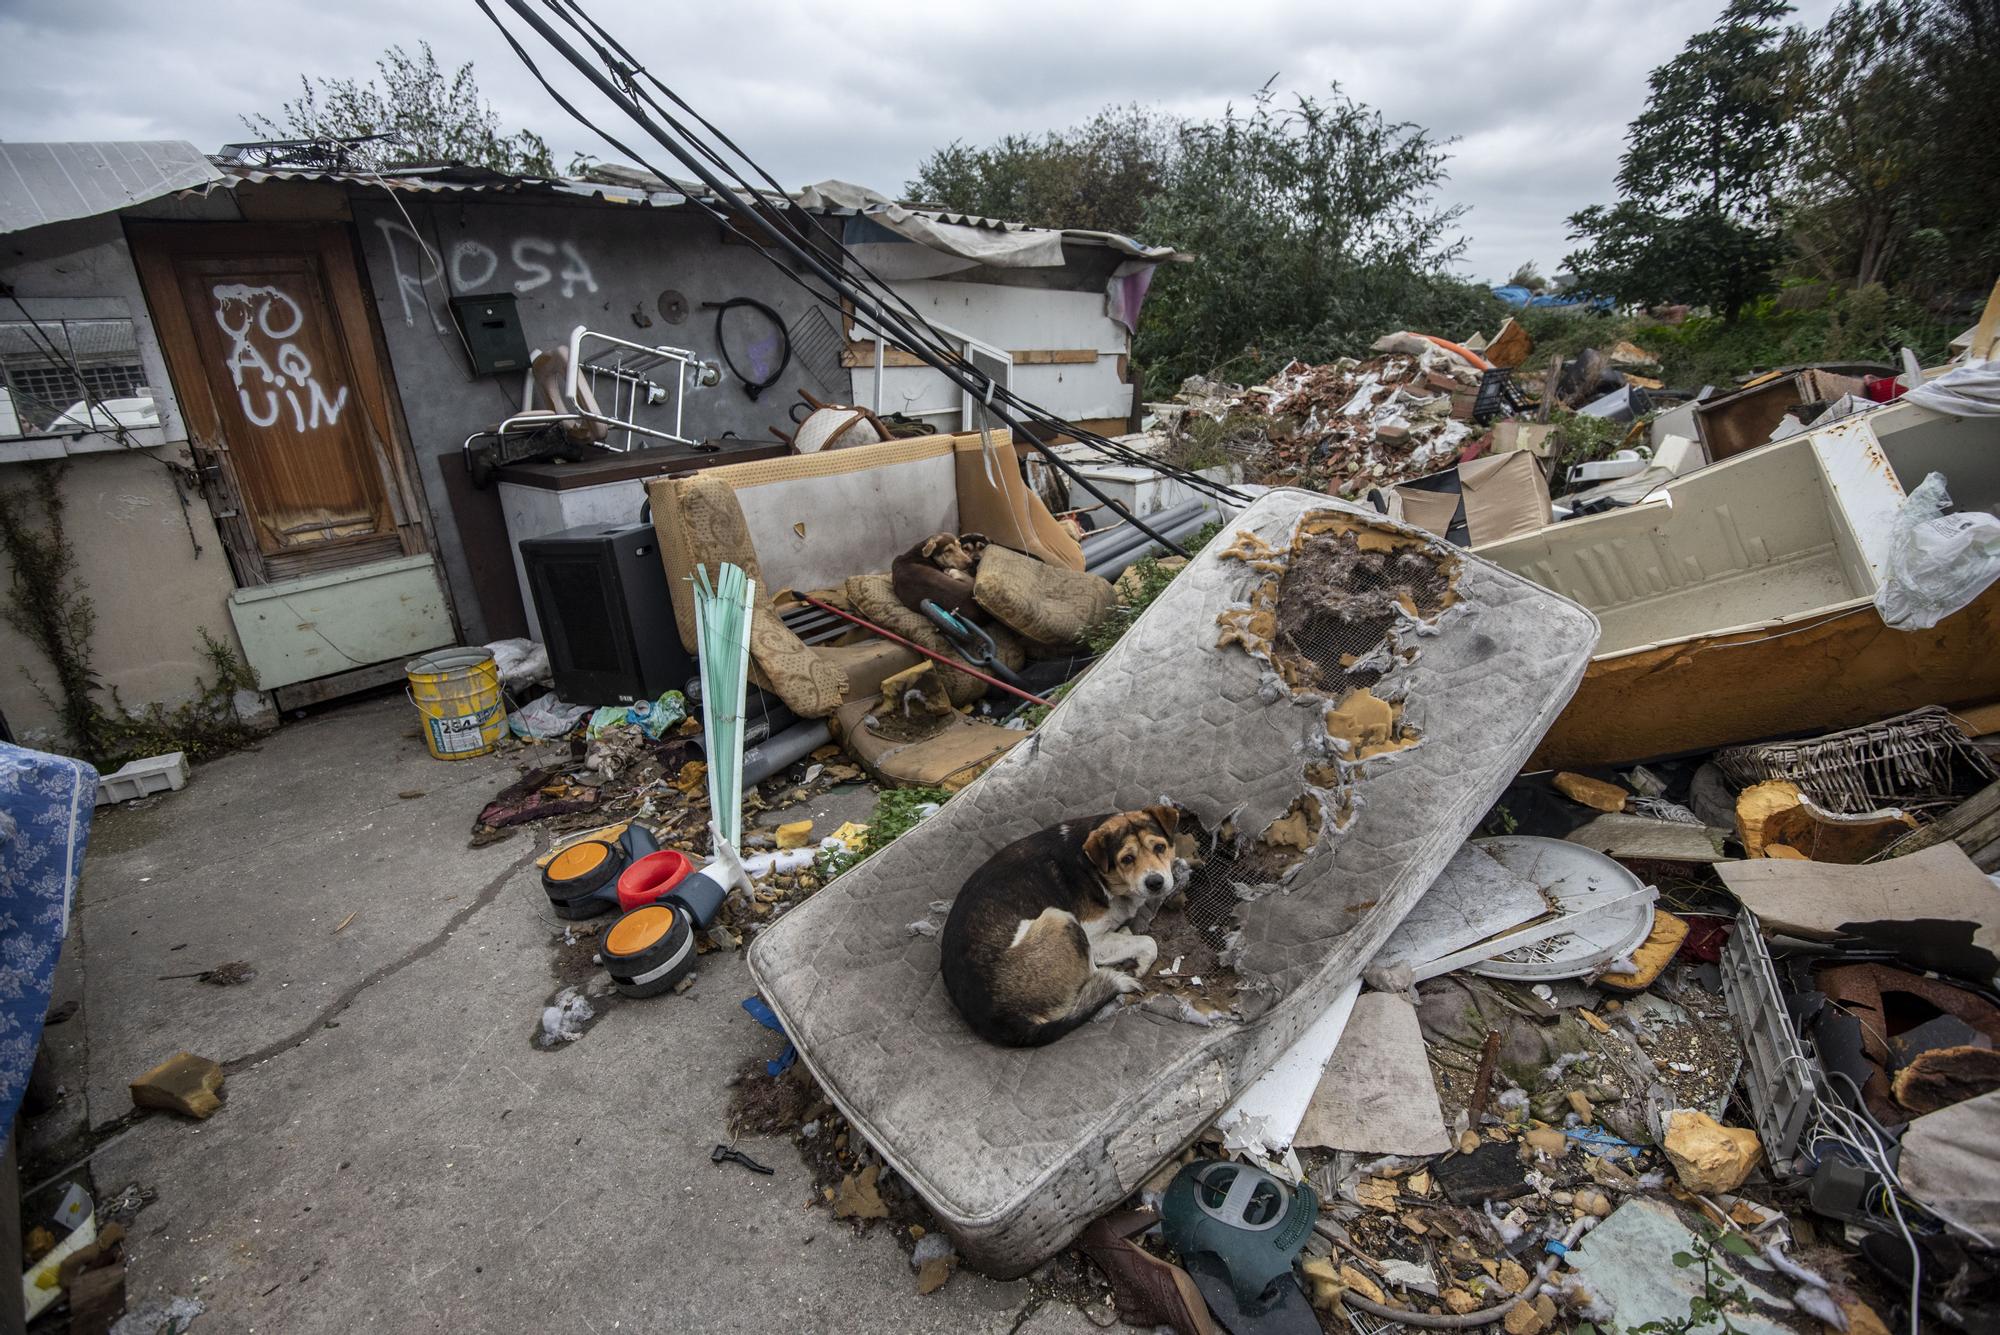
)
(1155, 882)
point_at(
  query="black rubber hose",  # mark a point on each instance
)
(752, 387)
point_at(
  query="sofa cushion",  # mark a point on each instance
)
(1046, 604)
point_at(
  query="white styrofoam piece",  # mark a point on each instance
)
(1474, 899)
(1267, 1114)
(154, 774)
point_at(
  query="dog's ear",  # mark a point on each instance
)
(1167, 818)
(931, 544)
(1101, 847)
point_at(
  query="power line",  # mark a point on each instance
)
(874, 304)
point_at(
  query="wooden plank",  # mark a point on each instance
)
(1988, 328)
(1974, 825)
(860, 353)
(1055, 357)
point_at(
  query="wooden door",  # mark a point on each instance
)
(274, 362)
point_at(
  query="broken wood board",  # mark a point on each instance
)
(1934, 907)
(1475, 899)
(1974, 825)
(1376, 1095)
(1623, 835)
(1265, 1119)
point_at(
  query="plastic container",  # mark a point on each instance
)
(650, 878)
(457, 691)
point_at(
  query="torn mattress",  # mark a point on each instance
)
(1334, 700)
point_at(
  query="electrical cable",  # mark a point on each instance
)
(869, 310)
(753, 387)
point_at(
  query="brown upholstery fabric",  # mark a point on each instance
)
(1047, 604)
(810, 686)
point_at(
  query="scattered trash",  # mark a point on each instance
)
(565, 1018)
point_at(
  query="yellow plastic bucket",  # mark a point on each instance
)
(458, 693)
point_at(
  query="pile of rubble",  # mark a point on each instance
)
(1348, 425)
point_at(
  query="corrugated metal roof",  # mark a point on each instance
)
(461, 180)
(45, 183)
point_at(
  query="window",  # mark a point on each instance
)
(68, 377)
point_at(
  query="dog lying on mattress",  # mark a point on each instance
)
(1029, 937)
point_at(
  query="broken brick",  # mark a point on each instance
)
(183, 1083)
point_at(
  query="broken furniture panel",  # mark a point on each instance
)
(1935, 909)
(1738, 601)
(1333, 700)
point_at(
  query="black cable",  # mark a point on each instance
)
(967, 377)
(624, 66)
(752, 387)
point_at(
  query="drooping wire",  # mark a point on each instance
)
(869, 308)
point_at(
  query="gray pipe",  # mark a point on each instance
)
(767, 757)
(1119, 540)
(1112, 567)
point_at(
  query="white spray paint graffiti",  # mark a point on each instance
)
(243, 310)
(474, 265)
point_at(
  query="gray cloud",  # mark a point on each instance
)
(1537, 92)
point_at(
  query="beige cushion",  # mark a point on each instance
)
(1047, 604)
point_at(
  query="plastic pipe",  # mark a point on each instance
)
(772, 754)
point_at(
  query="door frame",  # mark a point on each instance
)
(155, 247)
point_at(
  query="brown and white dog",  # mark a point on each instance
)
(939, 568)
(1028, 938)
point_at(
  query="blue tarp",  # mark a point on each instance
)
(46, 803)
(1520, 297)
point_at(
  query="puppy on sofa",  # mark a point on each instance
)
(940, 568)
(1028, 938)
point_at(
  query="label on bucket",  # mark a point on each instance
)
(458, 736)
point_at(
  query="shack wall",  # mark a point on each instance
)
(147, 553)
(599, 265)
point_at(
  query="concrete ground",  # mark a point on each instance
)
(395, 1152)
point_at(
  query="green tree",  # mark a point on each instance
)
(1315, 228)
(1096, 176)
(1862, 109)
(422, 114)
(1954, 46)
(1694, 219)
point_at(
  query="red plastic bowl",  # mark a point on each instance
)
(652, 876)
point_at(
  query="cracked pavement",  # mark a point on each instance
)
(394, 1152)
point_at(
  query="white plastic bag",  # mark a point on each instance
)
(1937, 563)
(1972, 390)
(522, 662)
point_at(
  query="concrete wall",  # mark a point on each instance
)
(79, 270)
(147, 553)
(566, 264)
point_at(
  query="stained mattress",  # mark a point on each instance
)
(1334, 700)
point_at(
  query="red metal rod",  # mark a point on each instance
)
(934, 657)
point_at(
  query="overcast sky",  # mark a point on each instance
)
(1537, 92)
